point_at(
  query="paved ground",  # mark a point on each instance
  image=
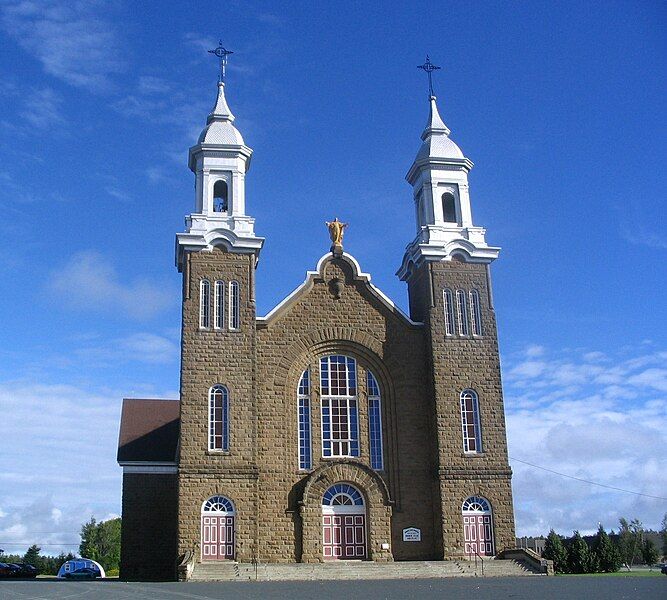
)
(520, 588)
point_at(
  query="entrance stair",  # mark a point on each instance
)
(233, 571)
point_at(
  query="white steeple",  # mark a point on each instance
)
(439, 177)
(219, 160)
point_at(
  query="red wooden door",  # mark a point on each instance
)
(217, 537)
(344, 537)
(478, 534)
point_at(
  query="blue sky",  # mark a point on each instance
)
(561, 107)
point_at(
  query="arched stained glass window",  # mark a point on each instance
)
(234, 305)
(340, 420)
(448, 300)
(219, 304)
(462, 310)
(476, 504)
(476, 313)
(342, 494)
(218, 504)
(218, 420)
(472, 434)
(205, 303)
(303, 401)
(374, 422)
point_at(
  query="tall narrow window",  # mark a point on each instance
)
(449, 312)
(234, 306)
(220, 196)
(218, 418)
(374, 423)
(340, 418)
(449, 208)
(476, 313)
(305, 461)
(219, 305)
(205, 303)
(472, 434)
(462, 310)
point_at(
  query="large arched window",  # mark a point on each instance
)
(374, 422)
(219, 304)
(303, 401)
(218, 418)
(340, 420)
(448, 300)
(462, 312)
(234, 305)
(205, 303)
(342, 494)
(472, 434)
(476, 313)
(220, 196)
(448, 208)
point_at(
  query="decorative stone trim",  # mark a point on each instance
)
(377, 503)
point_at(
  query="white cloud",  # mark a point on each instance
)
(72, 39)
(604, 422)
(89, 281)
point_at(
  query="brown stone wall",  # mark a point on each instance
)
(356, 324)
(458, 363)
(212, 357)
(149, 533)
(420, 372)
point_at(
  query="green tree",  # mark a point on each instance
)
(101, 542)
(630, 541)
(649, 553)
(578, 555)
(606, 554)
(663, 533)
(32, 556)
(555, 550)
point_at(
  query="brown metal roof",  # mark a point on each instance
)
(148, 430)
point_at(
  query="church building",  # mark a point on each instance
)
(336, 427)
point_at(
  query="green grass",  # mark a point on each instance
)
(622, 573)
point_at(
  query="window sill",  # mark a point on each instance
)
(473, 454)
(218, 452)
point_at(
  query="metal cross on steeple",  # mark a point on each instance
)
(429, 67)
(222, 53)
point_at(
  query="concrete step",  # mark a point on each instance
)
(228, 571)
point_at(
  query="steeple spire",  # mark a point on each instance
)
(221, 111)
(435, 123)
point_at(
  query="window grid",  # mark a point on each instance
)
(218, 430)
(374, 423)
(219, 305)
(234, 306)
(462, 310)
(340, 424)
(305, 458)
(472, 435)
(205, 304)
(476, 313)
(449, 312)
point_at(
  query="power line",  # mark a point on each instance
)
(609, 487)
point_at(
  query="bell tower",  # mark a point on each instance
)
(218, 254)
(447, 269)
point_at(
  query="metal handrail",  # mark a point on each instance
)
(477, 554)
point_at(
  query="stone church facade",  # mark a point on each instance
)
(336, 427)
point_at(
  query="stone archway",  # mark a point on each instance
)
(376, 499)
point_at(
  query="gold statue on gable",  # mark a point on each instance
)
(336, 230)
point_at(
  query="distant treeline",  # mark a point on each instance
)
(605, 552)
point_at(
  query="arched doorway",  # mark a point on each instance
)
(217, 529)
(478, 526)
(344, 523)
